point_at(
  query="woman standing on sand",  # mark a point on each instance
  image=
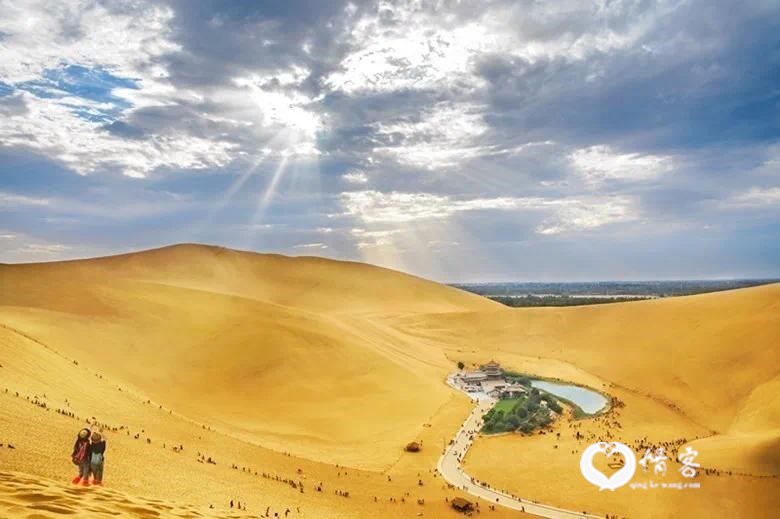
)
(97, 453)
(81, 457)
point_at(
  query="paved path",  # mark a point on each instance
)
(449, 467)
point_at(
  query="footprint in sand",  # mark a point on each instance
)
(34, 497)
(54, 509)
(98, 510)
(158, 505)
(140, 511)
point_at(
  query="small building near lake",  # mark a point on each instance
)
(474, 377)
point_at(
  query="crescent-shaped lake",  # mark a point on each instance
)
(589, 401)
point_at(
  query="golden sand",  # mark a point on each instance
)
(296, 368)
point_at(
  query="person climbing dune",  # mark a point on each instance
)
(97, 458)
(81, 457)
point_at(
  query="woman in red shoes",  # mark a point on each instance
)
(82, 452)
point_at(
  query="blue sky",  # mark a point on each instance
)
(461, 141)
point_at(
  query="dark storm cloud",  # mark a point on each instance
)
(221, 40)
(702, 74)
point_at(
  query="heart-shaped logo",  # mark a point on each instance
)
(595, 476)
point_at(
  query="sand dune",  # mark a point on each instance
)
(712, 357)
(45, 398)
(205, 321)
(692, 367)
(306, 283)
(279, 365)
(36, 497)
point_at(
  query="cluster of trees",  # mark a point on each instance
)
(612, 288)
(517, 378)
(563, 300)
(525, 415)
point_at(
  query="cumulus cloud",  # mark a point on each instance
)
(61, 113)
(411, 45)
(587, 213)
(368, 239)
(121, 109)
(355, 177)
(22, 247)
(51, 128)
(127, 37)
(347, 123)
(284, 109)
(407, 52)
(43, 249)
(374, 206)
(601, 163)
(755, 197)
(560, 215)
(313, 246)
(442, 136)
(10, 200)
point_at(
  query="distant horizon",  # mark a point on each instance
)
(769, 279)
(775, 278)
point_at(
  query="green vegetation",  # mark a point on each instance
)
(461, 365)
(517, 378)
(559, 300)
(522, 414)
(506, 405)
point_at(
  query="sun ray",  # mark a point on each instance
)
(226, 197)
(265, 199)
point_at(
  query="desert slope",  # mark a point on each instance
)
(307, 283)
(257, 338)
(155, 458)
(713, 357)
(283, 365)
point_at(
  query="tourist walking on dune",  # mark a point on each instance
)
(81, 457)
(97, 458)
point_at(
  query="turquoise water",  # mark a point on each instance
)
(589, 401)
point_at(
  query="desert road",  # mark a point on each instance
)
(450, 469)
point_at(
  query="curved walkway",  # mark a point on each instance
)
(450, 469)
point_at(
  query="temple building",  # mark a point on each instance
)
(489, 380)
(492, 369)
(474, 377)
